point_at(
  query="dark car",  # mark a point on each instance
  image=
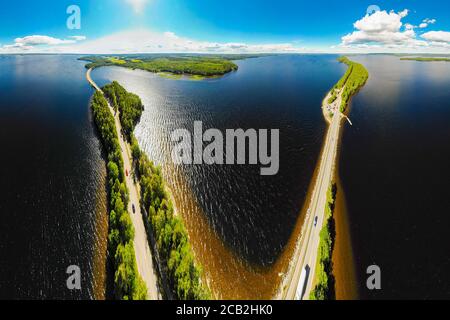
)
(315, 220)
(133, 208)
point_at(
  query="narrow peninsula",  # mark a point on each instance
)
(148, 243)
(310, 274)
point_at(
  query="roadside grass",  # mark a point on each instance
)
(324, 279)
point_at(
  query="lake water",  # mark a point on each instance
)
(239, 221)
(393, 168)
(53, 200)
(395, 171)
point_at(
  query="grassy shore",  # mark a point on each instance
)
(324, 288)
(354, 78)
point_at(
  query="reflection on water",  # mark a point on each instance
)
(53, 201)
(240, 223)
(394, 169)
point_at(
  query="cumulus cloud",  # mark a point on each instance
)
(386, 30)
(33, 42)
(38, 40)
(429, 21)
(403, 13)
(437, 36)
(426, 22)
(147, 41)
(380, 21)
(138, 5)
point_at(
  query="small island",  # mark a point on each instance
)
(195, 67)
(422, 59)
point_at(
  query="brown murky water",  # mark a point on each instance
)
(243, 227)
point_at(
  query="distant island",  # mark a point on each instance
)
(426, 59)
(197, 67)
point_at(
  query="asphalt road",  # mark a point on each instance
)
(306, 252)
(141, 245)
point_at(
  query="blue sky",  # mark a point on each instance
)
(212, 25)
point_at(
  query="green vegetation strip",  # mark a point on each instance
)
(206, 66)
(129, 105)
(324, 289)
(354, 78)
(128, 284)
(174, 250)
(427, 59)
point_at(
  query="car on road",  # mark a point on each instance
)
(315, 220)
(133, 208)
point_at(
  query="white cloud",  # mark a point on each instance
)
(437, 36)
(403, 13)
(147, 41)
(429, 21)
(38, 40)
(138, 5)
(383, 30)
(78, 38)
(30, 43)
(20, 46)
(380, 21)
(169, 34)
(426, 22)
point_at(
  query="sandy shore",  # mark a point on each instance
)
(343, 261)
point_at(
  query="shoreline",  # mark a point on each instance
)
(344, 267)
(140, 244)
(301, 279)
(306, 247)
(191, 68)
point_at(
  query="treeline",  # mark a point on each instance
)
(324, 289)
(128, 285)
(333, 96)
(191, 65)
(355, 77)
(429, 59)
(172, 241)
(129, 105)
(169, 231)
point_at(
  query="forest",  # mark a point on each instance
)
(129, 105)
(354, 79)
(172, 241)
(128, 285)
(200, 65)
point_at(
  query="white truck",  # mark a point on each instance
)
(301, 287)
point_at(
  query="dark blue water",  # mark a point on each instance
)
(395, 172)
(394, 169)
(253, 215)
(52, 203)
